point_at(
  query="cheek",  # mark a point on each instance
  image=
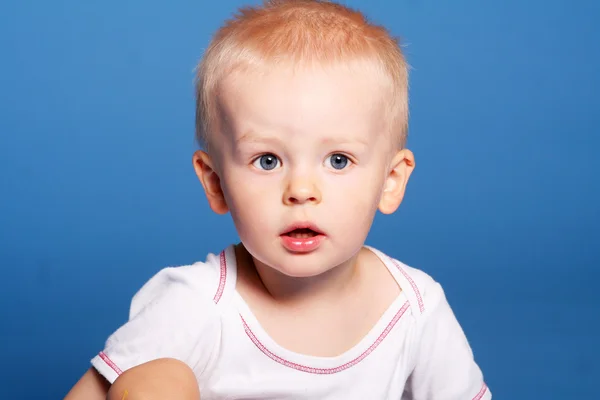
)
(250, 198)
(353, 202)
(239, 186)
(359, 191)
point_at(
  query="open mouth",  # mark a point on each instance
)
(302, 238)
(302, 233)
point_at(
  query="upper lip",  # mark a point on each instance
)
(302, 225)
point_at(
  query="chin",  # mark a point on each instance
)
(300, 265)
(304, 265)
(301, 273)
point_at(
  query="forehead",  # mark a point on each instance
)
(307, 101)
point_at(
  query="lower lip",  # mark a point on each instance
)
(302, 245)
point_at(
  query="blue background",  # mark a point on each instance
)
(98, 191)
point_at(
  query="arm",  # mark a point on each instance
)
(444, 366)
(91, 386)
(160, 379)
(170, 319)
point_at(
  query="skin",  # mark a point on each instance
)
(158, 379)
(155, 380)
(91, 386)
(322, 302)
(302, 120)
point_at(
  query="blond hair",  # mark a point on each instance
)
(300, 32)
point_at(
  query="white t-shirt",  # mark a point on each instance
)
(417, 350)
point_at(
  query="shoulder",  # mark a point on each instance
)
(428, 302)
(199, 282)
(421, 289)
(173, 315)
(442, 363)
(424, 286)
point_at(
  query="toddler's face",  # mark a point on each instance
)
(303, 159)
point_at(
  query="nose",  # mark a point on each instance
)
(301, 190)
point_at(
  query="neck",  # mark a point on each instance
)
(286, 289)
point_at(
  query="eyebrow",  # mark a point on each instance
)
(252, 137)
(346, 141)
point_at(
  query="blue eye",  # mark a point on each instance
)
(338, 161)
(267, 162)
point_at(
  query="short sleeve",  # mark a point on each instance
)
(171, 316)
(445, 368)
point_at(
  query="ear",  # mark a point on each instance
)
(401, 167)
(211, 182)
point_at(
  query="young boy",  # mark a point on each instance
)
(302, 109)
